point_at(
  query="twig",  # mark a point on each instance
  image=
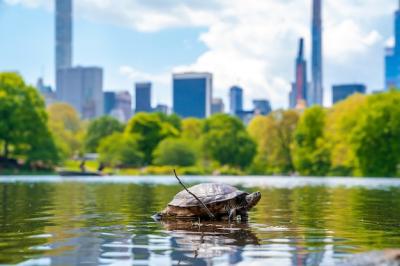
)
(199, 200)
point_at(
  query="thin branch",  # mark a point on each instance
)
(199, 200)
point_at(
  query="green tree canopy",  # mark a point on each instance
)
(120, 150)
(376, 137)
(100, 128)
(149, 130)
(341, 120)
(23, 125)
(274, 136)
(172, 151)
(67, 128)
(192, 128)
(310, 156)
(227, 142)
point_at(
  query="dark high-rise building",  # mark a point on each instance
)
(192, 94)
(109, 102)
(143, 97)
(63, 34)
(392, 57)
(235, 100)
(341, 92)
(299, 91)
(316, 92)
(262, 107)
(82, 87)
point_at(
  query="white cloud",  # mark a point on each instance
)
(253, 43)
(389, 42)
(353, 41)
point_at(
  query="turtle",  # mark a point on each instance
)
(223, 201)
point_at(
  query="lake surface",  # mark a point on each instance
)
(299, 221)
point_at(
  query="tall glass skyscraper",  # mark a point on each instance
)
(392, 58)
(82, 88)
(63, 28)
(316, 92)
(143, 97)
(235, 100)
(192, 94)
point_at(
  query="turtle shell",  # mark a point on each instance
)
(208, 193)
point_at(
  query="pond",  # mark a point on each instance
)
(299, 221)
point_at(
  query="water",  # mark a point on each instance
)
(65, 221)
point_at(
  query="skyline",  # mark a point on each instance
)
(244, 50)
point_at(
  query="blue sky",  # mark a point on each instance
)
(247, 42)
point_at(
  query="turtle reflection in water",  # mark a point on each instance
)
(198, 242)
(223, 201)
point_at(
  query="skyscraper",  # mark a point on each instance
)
(124, 103)
(235, 100)
(63, 34)
(192, 94)
(316, 92)
(217, 106)
(262, 107)
(341, 92)
(392, 57)
(110, 99)
(299, 91)
(82, 87)
(143, 97)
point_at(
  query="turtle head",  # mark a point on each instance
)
(252, 199)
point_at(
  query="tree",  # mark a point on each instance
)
(100, 128)
(23, 125)
(227, 142)
(274, 136)
(376, 136)
(172, 119)
(67, 128)
(192, 128)
(341, 120)
(120, 150)
(310, 156)
(172, 151)
(149, 130)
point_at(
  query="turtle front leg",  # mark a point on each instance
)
(232, 214)
(244, 217)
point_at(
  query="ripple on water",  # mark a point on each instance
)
(297, 222)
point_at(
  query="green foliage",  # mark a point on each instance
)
(192, 128)
(274, 137)
(226, 141)
(341, 120)
(149, 130)
(67, 128)
(120, 150)
(310, 156)
(100, 128)
(376, 137)
(172, 151)
(173, 119)
(23, 126)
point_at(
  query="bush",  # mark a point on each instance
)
(173, 151)
(119, 150)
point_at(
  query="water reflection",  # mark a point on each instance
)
(65, 223)
(198, 242)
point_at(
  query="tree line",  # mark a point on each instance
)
(359, 136)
